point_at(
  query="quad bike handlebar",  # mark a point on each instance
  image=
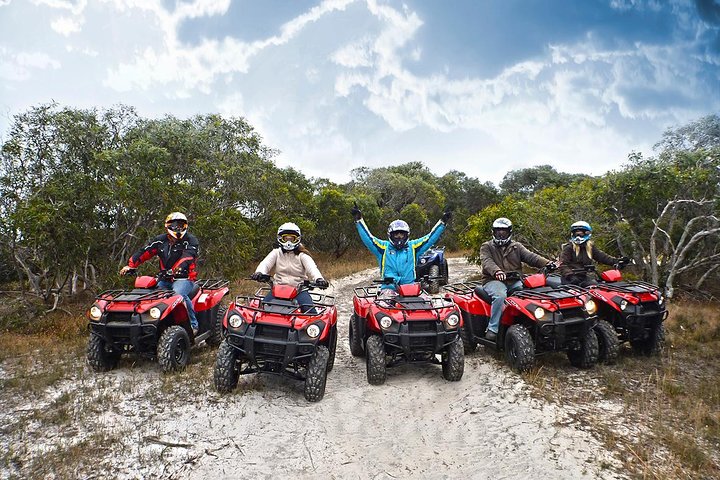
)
(304, 285)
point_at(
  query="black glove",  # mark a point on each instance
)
(624, 261)
(551, 266)
(322, 283)
(259, 277)
(355, 211)
(446, 216)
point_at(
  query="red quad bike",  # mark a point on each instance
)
(153, 323)
(536, 320)
(410, 327)
(634, 310)
(278, 337)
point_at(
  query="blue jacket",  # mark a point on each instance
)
(398, 263)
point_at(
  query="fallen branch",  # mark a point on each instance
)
(153, 439)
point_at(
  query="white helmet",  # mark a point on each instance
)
(580, 232)
(398, 233)
(288, 236)
(501, 231)
(176, 225)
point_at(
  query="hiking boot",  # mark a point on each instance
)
(490, 335)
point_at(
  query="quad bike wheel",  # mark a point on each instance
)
(653, 345)
(587, 355)
(434, 282)
(608, 343)
(519, 348)
(316, 375)
(376, 367)
(216, 335)
(453, 361)
(332, 347)
(356, 341)
(227, 370)
(100, 356)
(173, 350)
(469, 344)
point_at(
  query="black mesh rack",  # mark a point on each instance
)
(629, 287)
(403, 303)
(135, 295)
(462, 288)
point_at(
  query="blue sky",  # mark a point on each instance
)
(480, 86)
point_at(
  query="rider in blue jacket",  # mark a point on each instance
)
(398, 254)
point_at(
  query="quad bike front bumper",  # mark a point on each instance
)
(272, 348)
(126, 332)
(561, 332)
(418, 337)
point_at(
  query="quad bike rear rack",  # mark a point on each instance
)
(211, 283)
(462, 288)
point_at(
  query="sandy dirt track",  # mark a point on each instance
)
(416, 425)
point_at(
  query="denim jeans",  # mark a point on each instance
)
(499, 291)
(303, 298)
(182, 287)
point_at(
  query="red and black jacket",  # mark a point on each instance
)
(179, 255)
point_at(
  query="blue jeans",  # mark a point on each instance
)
(303, 298)
(183, 287)
(499, 291)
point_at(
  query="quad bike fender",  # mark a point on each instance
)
(207, 300)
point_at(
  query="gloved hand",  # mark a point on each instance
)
(624, 261)
(258, 276)
(322, 283)
(355, 211)
(551, 266)
(500, 275)
(126, 270)
(446, 216)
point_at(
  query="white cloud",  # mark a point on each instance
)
(67, 25)
(18, 66)
(75, 7)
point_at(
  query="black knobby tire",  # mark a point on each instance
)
(434, 283)
(216, 331)
(227, 370)
(100, 356)
(332, 347)
(173, 350)
(376, 366)
(445, 274)
(453, 361)
(356, 341)
(653, 345)
(608, 343)
(519, 348)
(469, 344)
(316, 374)
(587, 355)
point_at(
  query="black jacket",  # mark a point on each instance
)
(180, 255)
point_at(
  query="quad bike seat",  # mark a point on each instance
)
(484, 296)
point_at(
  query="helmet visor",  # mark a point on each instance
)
(176, 225)
(501, 233)
(398, 236)
(288, 237)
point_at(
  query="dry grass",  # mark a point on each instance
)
(669, 408)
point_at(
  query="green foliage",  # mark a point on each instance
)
(531, 180)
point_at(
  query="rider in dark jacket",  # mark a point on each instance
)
(580, 252)
(177, 251)
(498, 257)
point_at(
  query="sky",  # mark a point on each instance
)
(479, 86)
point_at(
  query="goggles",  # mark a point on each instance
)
(289, 237)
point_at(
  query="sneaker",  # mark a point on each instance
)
(490, 335)
(195, 331)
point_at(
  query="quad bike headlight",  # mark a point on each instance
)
(661, 298)
(590, 306)
(539, 313)
(155, 313)
(313, 331)
(235, 320)
(623, 304)
(452, 320)
(385, 322)
(95, 312)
